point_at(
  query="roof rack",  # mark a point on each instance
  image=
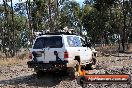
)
(66, 31)
(59, 33)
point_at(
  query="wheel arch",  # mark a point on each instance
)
(77, 58)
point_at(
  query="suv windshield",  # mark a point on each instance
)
(51, 42)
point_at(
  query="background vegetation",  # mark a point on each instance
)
(106, 21)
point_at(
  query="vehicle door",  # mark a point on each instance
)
(74, 45)
(86, 52)
(76, 48)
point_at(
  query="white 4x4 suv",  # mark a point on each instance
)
(54, 52)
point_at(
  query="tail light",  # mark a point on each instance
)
(66, 54)
(30, 55)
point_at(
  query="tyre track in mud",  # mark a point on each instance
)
(20, 76)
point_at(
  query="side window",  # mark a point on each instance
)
(70, 41)
(73, 41)
(77, 42)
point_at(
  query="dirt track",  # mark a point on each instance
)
(23, 77)
(20, 76)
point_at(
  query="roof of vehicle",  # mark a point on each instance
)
(59, 33)
(55, 34)
(48, 34)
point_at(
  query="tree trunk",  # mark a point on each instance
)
(119, 42)
(13, 37)
(5, 25)
(50, 19)
(124, 28)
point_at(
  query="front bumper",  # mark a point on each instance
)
(51, 66)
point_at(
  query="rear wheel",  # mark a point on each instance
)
(73, 71)
(39, 73)
(63, 72)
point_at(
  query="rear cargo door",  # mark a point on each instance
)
(48, 46)
(53, 48)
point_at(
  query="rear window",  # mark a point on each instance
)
(51, 42)
(73, 41)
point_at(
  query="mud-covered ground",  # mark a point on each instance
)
(20, 76)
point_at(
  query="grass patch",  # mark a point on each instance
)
(20, 58)
(12, 61)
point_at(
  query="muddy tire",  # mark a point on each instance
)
(94, 61)
(39, 73)
(63, 72)
(71, 72)
(88, 67)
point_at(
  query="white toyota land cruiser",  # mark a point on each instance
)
(59, 52)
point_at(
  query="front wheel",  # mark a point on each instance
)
(71, 72)
(94, 61)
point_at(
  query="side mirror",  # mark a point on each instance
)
(84, 45)
(88, 44)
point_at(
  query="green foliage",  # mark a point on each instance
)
(70, 15)
(102, 19)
